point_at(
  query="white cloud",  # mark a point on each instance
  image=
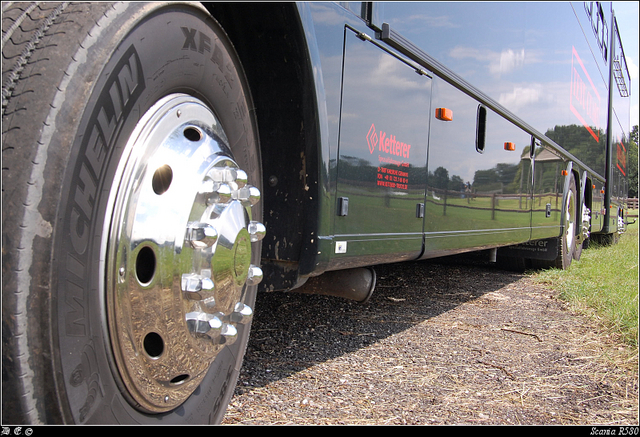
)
(505, 62)
(520, 97)
(431, 21)
(484, 55)
(509, 61)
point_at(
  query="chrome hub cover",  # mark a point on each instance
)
(570, 221)
(586, 224)
(178, 252)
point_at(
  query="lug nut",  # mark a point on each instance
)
(229, 174)
(224, 174)
(216, 174)
(257, 231)
(228, 334)
(248, 193)
(254, 195)
(241, 314)
(215, 323)
(241, 178)
(194, 284)
(254, 276)
(224, 193)
(228, 330)
(202, 235)
(191, 282)
(198, 322)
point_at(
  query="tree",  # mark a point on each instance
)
(456, 183)
(440, 178)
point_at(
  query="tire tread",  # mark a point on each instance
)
(37, 38)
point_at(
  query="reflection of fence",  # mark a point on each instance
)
(632, 203)
(474, 201)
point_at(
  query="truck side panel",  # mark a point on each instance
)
(546, 64)
(384, 130)
(543, 69)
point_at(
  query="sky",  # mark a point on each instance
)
(627, 17)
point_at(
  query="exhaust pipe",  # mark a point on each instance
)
(354, 284)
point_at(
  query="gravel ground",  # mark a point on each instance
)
(439, 343)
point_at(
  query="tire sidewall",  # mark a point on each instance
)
(145, 56)
(567, 251)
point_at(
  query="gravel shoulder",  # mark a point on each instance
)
(439, 343)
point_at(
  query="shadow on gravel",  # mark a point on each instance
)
(292, 331)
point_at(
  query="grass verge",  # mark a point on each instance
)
(604, 283)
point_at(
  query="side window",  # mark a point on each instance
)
(588, 7)
(603, 36)
(595, 12)
(594, 16)
(620, 69)
(358, 8)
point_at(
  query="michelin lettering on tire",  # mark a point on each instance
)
(122, 90)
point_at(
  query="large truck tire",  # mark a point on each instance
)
(131, 217)
(568, 241)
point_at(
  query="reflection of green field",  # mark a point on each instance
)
(375, 214)
(460, 227)
(375, 223)
(371, 214)
(481, 213)
(379, 228)
(483, 221)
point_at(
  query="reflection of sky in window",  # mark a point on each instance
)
(627, 17)
(525, 68)
(501, 49)
(382, 90)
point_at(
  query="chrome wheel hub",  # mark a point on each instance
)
(570, 222)
(178, 254)
(586, 224)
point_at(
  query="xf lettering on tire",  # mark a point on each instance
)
(200, 42)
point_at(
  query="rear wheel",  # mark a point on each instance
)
(568, 240)
(584, 232)
(131, 215)
(569, 235)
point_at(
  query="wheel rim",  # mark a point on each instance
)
(569, 233)
(586, 222)
(178, 253)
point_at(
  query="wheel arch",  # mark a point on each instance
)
(269, 39)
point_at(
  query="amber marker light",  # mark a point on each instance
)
(565, 173)
(510, 146)
(444, 114)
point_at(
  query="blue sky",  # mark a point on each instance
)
(627, 17)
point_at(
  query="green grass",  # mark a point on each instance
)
(605, 283)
